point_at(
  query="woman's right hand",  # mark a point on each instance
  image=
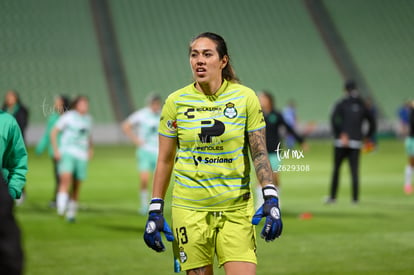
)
(344, 139)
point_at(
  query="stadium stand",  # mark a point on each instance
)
(273, 44)
(380, 37)
(49, 47)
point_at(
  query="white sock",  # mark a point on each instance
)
(144, 198)
(408, 174)
(72, 209)
(61, 202)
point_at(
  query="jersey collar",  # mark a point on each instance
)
(222, 88)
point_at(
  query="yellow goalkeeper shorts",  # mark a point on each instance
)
(199, 236)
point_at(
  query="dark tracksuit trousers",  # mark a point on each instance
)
(11, 254)
(340, 154)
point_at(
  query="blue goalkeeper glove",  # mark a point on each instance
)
(155, 225)
(270, 210)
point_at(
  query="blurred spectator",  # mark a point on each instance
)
(289, 114)
(372, 108)
(61, 104)
(404, 117)
(409, 148)
(14, 106)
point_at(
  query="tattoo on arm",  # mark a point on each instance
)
(257, 141)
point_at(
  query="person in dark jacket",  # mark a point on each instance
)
(13, 169)
(347, 119)
(14, 106)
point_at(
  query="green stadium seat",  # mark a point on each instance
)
(49, 47)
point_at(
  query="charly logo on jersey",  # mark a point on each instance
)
(211, 160)
(189, 112)
(230, 111)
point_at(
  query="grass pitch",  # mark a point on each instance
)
(373, 237)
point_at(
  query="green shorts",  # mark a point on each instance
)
(199, 236)
(76, 167)
(274, 162)
(409, 146)
(146, 160)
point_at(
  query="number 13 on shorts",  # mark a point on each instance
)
(180, 239)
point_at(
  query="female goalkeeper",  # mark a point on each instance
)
(205, 132)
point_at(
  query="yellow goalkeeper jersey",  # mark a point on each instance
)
(212, 167)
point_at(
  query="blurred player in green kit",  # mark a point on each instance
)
(61, 105)
(141, 127)
(73, 152)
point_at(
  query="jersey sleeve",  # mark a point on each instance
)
(168, 120)
(45, 140)
(62, 121)
(255, 119)
(135, 118)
